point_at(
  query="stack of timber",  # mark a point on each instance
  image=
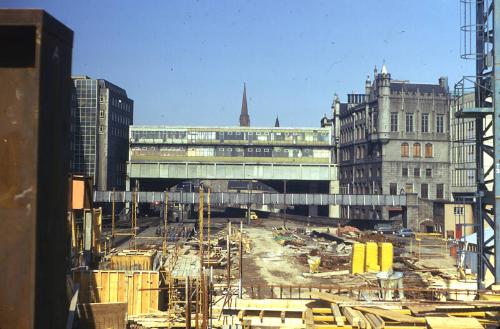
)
(158, 320)
(329, 311)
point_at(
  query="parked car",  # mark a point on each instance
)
(385, 229)
(405, 232)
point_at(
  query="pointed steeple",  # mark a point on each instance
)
(244, 117)
(277, 122)
(384, 68)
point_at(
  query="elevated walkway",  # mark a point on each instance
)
(235, 198)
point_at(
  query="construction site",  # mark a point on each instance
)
(268, 272)
(74, 256)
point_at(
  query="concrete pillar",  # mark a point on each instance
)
(412, 212)
(127, 187)
(334, 210)
(313, 189)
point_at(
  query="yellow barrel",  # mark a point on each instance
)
(371, 257)
(386, 256)
(358, 258)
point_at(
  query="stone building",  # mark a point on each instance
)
(394, 139)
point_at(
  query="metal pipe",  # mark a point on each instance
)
(208, 226)
(113, 215)
(165, 216)
(240, 291)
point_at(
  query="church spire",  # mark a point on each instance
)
(277, 122)
(244, 117)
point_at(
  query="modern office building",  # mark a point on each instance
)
(394, 139)
(101, 114)
(293, 160)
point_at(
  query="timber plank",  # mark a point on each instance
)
(339, 319)
(452, 323)
(351, 316)
(391, 315)
(122, 287)
(323, 318)
(308, 316)
(145, 294)
(104, 284)
(113, 287)
(136, 306)
(375, 321)
(154, 293)
(363, 322)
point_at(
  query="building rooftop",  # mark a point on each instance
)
(423, 88)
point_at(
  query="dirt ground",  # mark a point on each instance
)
(270, 263)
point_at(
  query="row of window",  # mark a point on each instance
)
(417, 150)
(357, 133)
(122, 105)
(424, 189)
(424, 123)
(359, 173)
(416, 172)
(193, 136)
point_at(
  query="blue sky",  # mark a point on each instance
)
(184, 62)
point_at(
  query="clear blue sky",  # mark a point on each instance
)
(184, 62)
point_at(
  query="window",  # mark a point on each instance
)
(405, 172)
(416, 172)
(439, 191)
(393, 188)
(458, 210)
(405, 150)
(394, 121)
(425, 122)
(257, 150)
(424, 191)
(416, 150)
(428, 150)
(440, 123)
(409, 188)
(266, 150)
(101, 113)
(409, 122)
(250, 150)
(428, 172)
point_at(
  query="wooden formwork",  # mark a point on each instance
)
(141, 260)
(138, 288)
